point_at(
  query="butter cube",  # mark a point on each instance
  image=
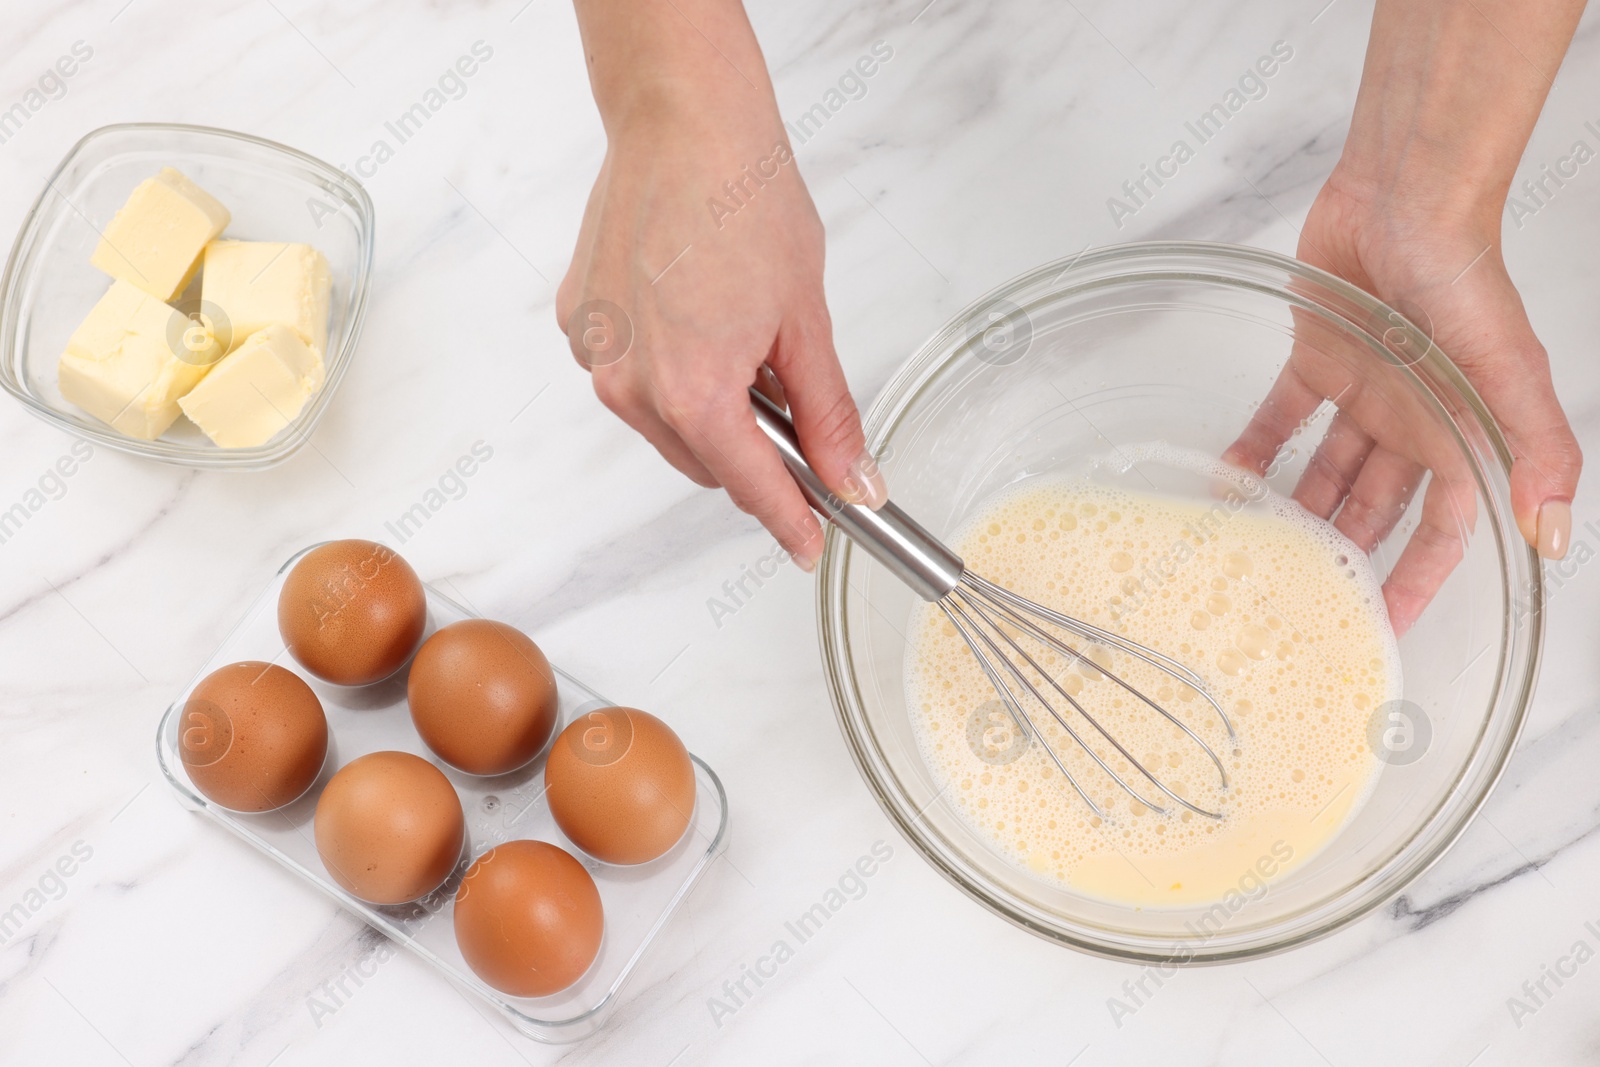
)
(155, 240)
(257, 389)
(131, 359)
(257, 283)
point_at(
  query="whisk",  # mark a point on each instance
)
(999, 627)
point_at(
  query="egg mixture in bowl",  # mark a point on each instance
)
(1066, 436)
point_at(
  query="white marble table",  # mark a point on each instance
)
(988, 143)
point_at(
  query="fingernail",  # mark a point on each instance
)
(864, 484)
(804, 561)
(1555, 528)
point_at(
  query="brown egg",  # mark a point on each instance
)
(389, 827)
(252, 736)
(528, 918)
(620, 785)
(482, 696)
(351, 612)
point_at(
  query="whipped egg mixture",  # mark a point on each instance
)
(1280, 615)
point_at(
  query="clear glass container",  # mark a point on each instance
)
(1181, 343)
(637, 900)
(274, 193)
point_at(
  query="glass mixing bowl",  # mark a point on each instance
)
(1180, 343)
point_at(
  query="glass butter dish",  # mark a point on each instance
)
(637, 900)
(274, 194)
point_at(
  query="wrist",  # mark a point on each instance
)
(653, 112)
(691, 63)
(1424, 188)
(1447, 103)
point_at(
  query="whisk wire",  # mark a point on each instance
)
(1094, 633)
(987, 611)
(1015, 672)
(1111, 738)
(1048, 639)
(972, 635)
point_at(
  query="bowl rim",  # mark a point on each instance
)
(1344, 906)
(259, 457)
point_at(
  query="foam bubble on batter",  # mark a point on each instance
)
(1278, 612)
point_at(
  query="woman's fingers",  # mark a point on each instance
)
(1334, 466)
(1286, 405)
(619, 389)
(824, 413)
(1543, 507)
(719, 426)
(583, 251)
(767, 385)
(1511, 371)
(619, 392)
(1378, 497)
(1544, 475)
(1436, 546)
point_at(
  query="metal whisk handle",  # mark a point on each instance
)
(888, 535)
